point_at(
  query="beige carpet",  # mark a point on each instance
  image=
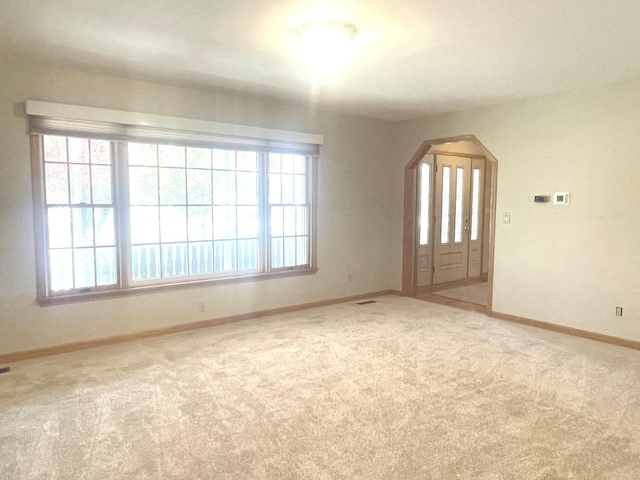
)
(477, 293)
(398, 389)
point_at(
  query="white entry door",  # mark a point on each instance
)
(452, 218)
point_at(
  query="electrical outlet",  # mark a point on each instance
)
(619, 311)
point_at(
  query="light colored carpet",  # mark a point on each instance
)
(477, 293)
(398, 389)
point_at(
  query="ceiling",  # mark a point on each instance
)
(411, 57)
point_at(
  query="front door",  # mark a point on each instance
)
(452, 222)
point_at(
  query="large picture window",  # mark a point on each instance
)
(120, 214)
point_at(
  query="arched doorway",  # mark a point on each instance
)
(460, 151)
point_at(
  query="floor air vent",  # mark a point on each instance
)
(366, 302)
(4, 369)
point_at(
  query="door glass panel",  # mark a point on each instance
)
(475, 204)
(459, 198)
(425, 194)
(446, 182)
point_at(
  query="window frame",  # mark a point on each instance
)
(125, 285)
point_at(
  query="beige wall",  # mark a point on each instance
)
(567, 265)
(353, 223)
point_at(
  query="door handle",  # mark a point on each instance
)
(466, 229)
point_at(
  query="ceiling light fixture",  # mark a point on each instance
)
(326, 35)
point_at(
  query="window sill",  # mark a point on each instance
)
(142, 290)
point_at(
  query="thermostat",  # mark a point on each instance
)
(561, 198)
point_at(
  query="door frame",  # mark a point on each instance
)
(409, 231)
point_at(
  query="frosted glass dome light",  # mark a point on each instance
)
(326, 35)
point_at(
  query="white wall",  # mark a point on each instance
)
(353, 224)
(567, 265)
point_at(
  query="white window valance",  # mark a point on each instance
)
(63, 119)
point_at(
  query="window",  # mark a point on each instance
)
(459, 201)
(123, 214)
(446, 200)
(193, 211)
(424, 208)
(475, 204)
(288, 210)
(80, 213)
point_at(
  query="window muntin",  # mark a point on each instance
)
(188, 213)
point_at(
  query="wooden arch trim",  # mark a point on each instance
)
(410, 207)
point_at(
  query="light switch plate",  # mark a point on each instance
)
(506, 217)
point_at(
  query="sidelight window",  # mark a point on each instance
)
(424, 206)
